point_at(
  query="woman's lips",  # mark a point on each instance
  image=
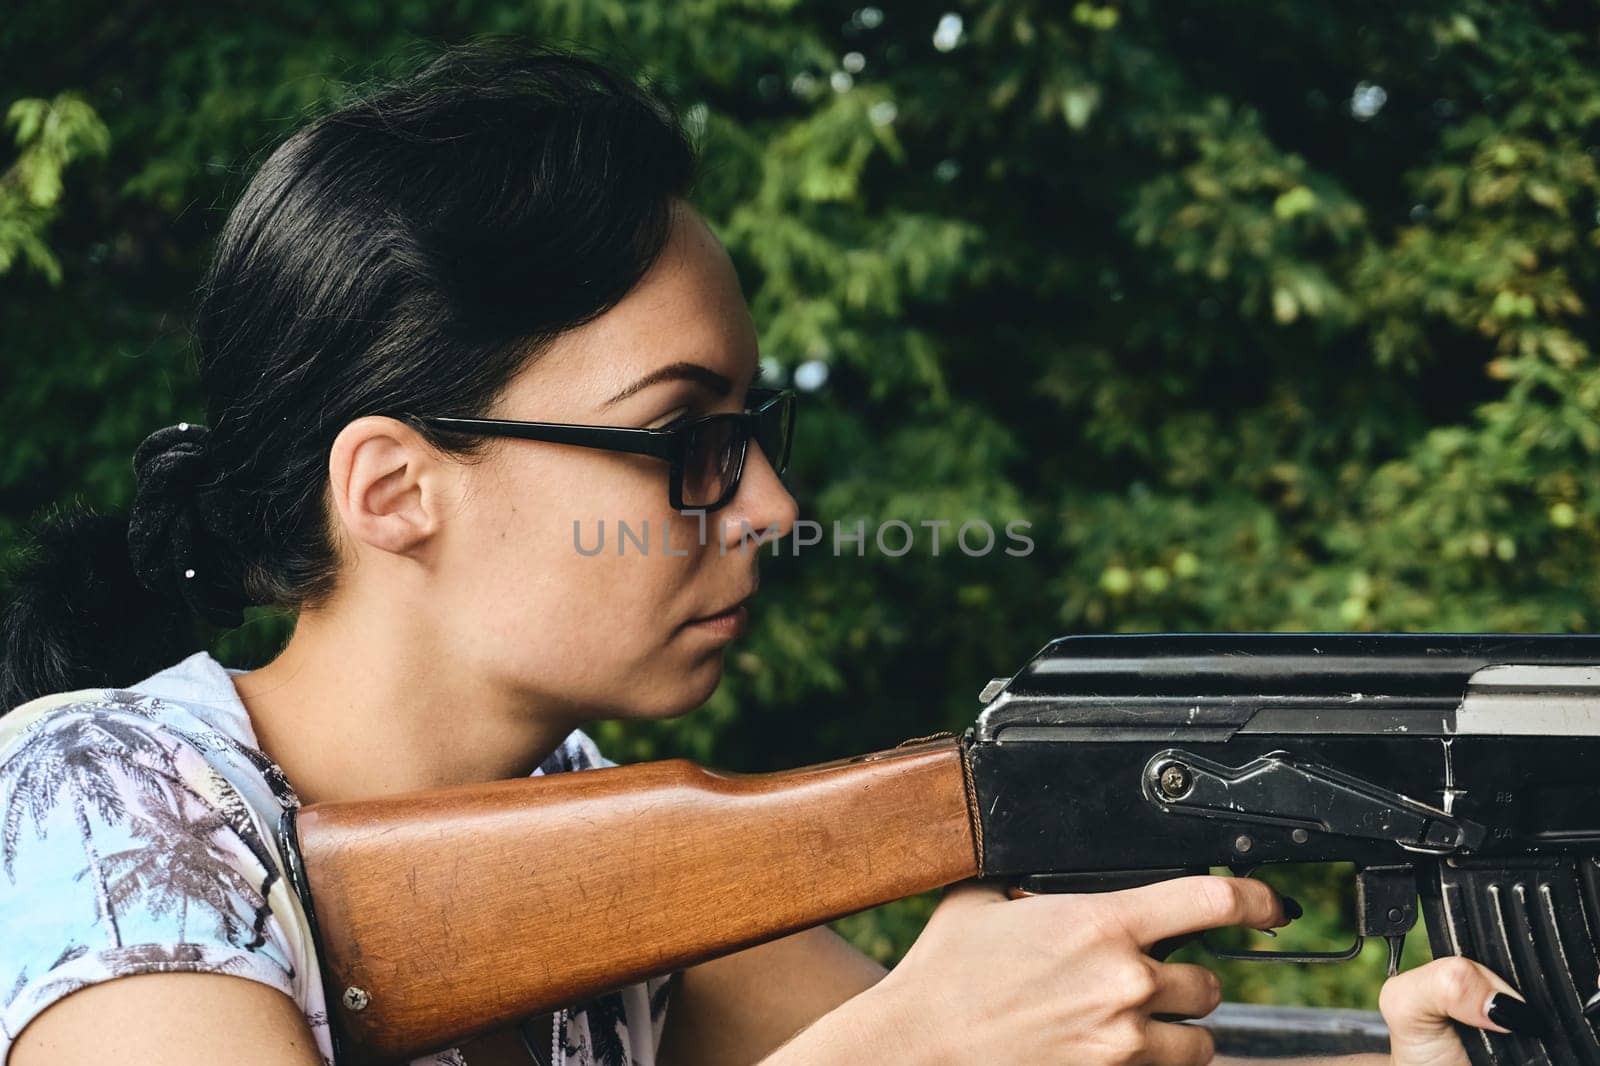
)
(726, 625)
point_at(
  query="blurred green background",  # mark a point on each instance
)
(1266, 316)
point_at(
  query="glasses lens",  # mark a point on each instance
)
(775, 429)
(711, 461)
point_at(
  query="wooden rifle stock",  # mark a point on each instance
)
(447, 913)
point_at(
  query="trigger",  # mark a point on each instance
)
(1248, 869)
(1396, 944)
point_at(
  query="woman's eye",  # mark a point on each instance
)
(671, 419)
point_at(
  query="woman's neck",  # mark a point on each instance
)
(358, 711)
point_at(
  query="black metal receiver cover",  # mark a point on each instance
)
(1219, 681)
(1199, 664)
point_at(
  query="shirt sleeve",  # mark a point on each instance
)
(124, 852)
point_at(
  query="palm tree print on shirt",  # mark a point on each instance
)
(211, 739)
(663, 993)
(179, 867)
(90, 760)
(9, 998)
(605, 1015)
(237, 818)
(172, 958)
(146, 958)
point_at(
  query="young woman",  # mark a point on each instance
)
(505, 236)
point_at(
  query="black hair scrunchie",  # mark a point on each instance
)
(178, 525)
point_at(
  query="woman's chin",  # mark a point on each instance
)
(686, 692)
(704, 683)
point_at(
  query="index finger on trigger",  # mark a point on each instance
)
(1193, 904)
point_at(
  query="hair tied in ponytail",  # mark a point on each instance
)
(182, 530)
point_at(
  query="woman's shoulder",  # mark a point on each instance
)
(137, 837)
(191, 705)
(126, 728)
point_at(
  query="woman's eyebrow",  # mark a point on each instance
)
(694, 372)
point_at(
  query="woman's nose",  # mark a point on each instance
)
(762, 508)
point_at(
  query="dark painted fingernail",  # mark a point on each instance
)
(1514, 1014)
(1292, 908)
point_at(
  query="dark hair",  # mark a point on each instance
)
(407, 253)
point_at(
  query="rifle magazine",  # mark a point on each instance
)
(1535, 924)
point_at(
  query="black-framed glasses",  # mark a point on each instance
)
(705, 455)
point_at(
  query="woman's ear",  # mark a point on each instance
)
(387, 483)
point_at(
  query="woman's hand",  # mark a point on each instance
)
(1058, 978)
(1420, 1004)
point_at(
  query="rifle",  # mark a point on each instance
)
(1461, 771)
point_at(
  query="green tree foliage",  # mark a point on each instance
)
(1266, 318)
(49, 135)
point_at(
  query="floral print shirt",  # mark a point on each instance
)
(139, 836)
